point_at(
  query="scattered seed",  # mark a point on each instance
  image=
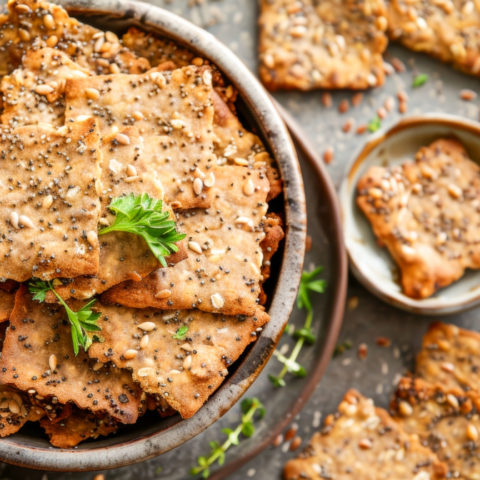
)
(92, 237)
(361, 129)
(327, 100)
(365, 444)
(347, 126)
(147, 326)
(382, 113)
(278, 440)
(25, 221)
(145, 371)
(296, 442)
(472, 432)
(328, 155)
(248, 187)
(131, 170)
(343, 106)
(49, 22)
(198, 186)
(357, 99)
(144, 341)
(165, 293)
(130, 354)
(403, 107)
(398, 65)
(209, 180)
(92, 93)
(468, 95)
(362, 351)
(47, 201)
(291, 432)
(122, 139)
(405, 409)
(43, 89)
(383, 342)
(14, 219)
(195, 246)
(217, 301)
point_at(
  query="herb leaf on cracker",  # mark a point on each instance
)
(82, 321)
(144, 216)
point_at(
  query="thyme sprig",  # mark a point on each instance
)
(144, 216)
(309, 283)
(81, 322)
(252, 409)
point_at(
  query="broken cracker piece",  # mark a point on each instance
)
(49, 201)
(223, 270)
(337, 44)
(77, 427)
(183, 371)
(450, 356)
(15, 411)
(448, 30)
(6, 305)
(445, 420)
(363, 442)
(38, 358)
(425, 212)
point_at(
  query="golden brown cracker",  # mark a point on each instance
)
(450, 356)
(186, 370)
(49, 201)
(7, 300)
(172, 110)
(426, 213)
(38, 358)
(448, 30)
(446, 421)
(307, 44)
(76, 428)
(363, 442)
(223, 270)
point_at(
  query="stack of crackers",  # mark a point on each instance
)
(87, 117)
(307, 44)
(432, 432)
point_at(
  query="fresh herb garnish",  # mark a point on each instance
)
(308, 283)
(143, 216)
(83, 321)
(420, 80)
(374, 124)
(250, 407)
(181, 333)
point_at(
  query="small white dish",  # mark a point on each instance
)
(371, 264)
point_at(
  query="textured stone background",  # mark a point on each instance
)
(366, 318)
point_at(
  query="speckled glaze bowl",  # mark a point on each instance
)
(153, 436)
(373, 265)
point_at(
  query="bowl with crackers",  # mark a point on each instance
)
(410, 202)
(154, 232)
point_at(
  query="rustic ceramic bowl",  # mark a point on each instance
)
(373, 265)
(153, 436)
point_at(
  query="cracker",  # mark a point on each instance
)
(426, 213)
(45, 70)
(223, 270)
(236, 145)
(15, 411)
(363, 442)
(123, 256)
(35, 24)
(450, 356)
(449, 31)
(49, 201)
(172, 110)
(335, 44)
(76, 428)
(446, 421)
(185, 372)
(39, 336)
(6, 305)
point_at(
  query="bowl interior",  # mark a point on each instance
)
(151, 435)
(373, 265)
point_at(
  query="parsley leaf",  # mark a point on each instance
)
(144, 216)
(420, 80)
(181, 333)
(81, 322)
(374, 124)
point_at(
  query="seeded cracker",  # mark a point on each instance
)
(358, 438)
(426, 213)
(172, 110)
(450, 356)
(448, 30)
(49, 201)
(76, 428)
(446, 421)
(223, 270)
(15, 411)
(308, 44)
(185, 372)
(6, 305)
(34, 93)
(35, 24)
(38, 358)
(235, 145)
(123, 256)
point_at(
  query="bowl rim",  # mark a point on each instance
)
(399, 300)
(267, 119)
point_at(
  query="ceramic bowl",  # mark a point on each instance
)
(373, 265)
(152, 436)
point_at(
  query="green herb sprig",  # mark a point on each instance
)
(252, 409)
(181, 333)
(144, 216)
(374, 124)
(82, 321)
(309, 283)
